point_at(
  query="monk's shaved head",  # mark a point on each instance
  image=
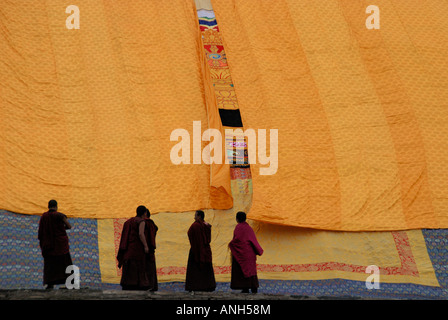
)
(52, 204)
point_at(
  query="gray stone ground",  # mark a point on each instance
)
(90, 294)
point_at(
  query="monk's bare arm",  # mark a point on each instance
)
(141, 233)
(67, 224)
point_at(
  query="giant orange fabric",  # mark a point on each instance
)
(361, 114)
(86, 114)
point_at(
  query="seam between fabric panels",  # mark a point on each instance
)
(201, 58)
(410, 110)
(435, 216)
(321, 106)
(359, 56)
(59, 97)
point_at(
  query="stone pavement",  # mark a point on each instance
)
(91, 294)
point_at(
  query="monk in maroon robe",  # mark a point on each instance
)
(150, 234)
(132, 253)
(53, 241)
(200, 275)
(245, 248)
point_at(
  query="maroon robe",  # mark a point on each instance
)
(150, 261)
(53, 241)
(245, 248)
(200, 275)
(131, 257)
(150, 233)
